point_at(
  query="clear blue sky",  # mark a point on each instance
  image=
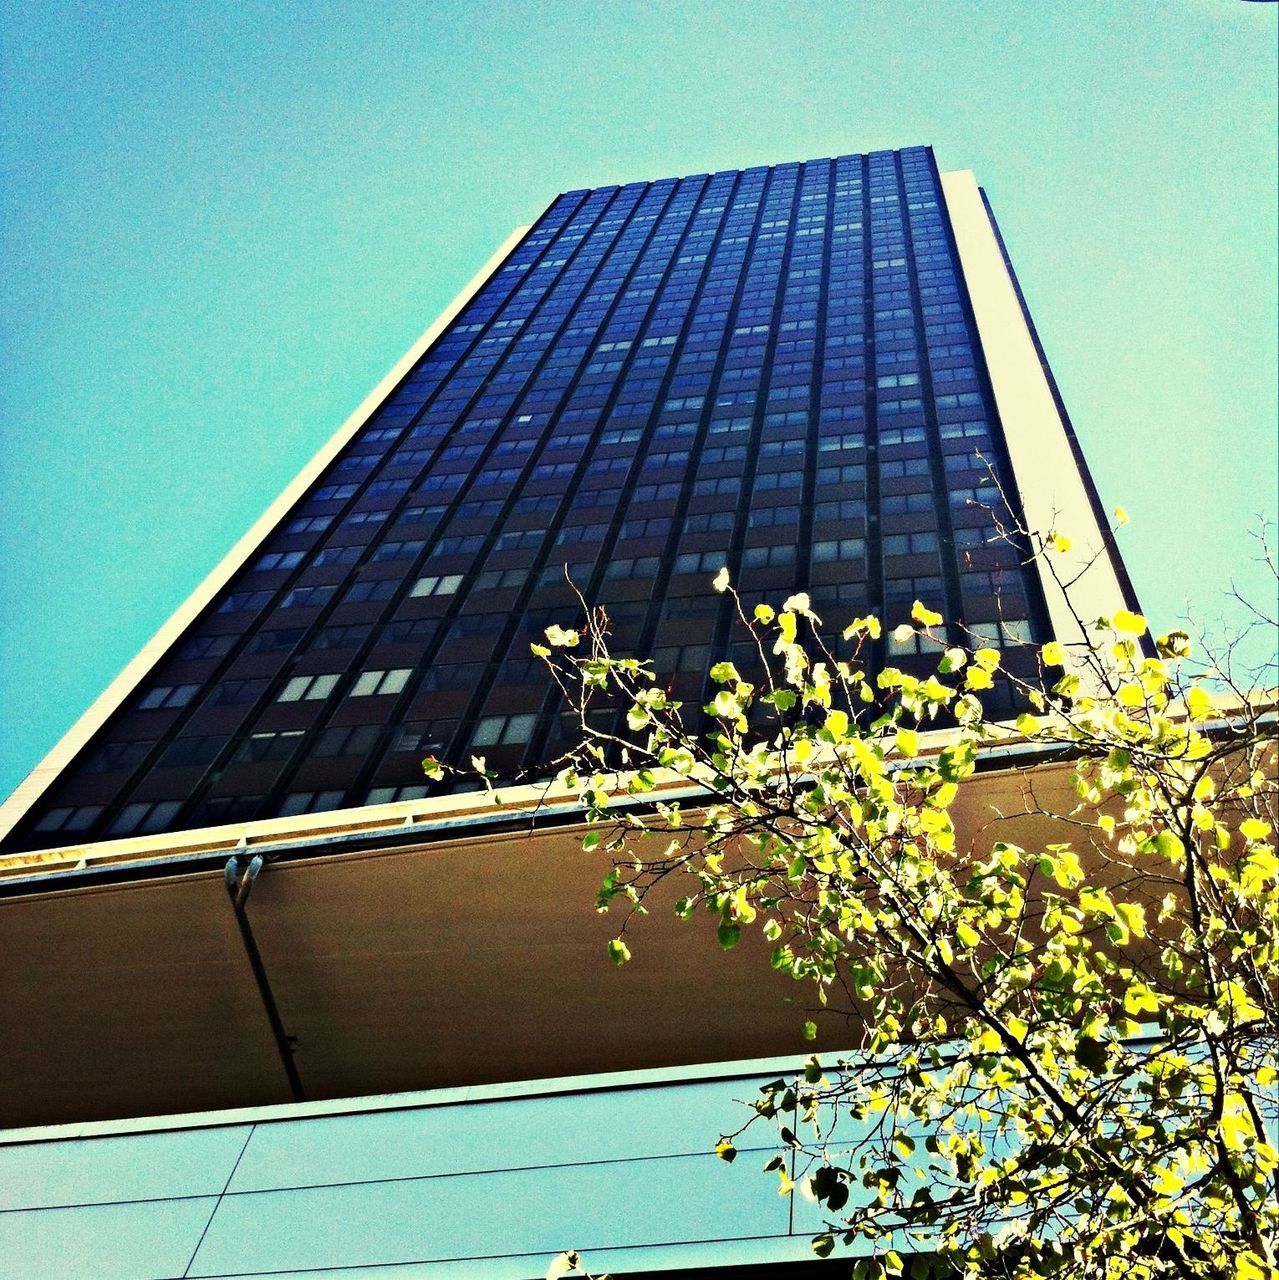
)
(222, 223)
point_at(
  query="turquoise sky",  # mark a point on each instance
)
(222, 223)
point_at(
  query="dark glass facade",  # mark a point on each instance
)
(775, 369)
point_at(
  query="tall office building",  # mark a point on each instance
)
(775, 369)
(821, 375)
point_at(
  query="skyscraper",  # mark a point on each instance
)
(777, 369)
(821, 375)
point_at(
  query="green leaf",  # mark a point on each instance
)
(956, 761)
(1091, 1053)
(1175, 644)
(608, 890)
(729, 933)
(618, 952)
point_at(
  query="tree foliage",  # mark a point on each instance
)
(1066, 1055)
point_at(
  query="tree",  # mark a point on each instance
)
(1067, 1058)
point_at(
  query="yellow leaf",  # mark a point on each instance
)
(1243, 1008)
(978, 678)
(908, 742)
(1249, 1266)
(1131, 623)
(1253, 829)
(721, 580)
(1053, 654)
(1198, 703)
(1236, 1129)
(924, 616)
(1139, 999)
(863, 626)
(1121, 516)
(1133, 914)
(990, 1041)
(1256, 869)
(1131, 696)
(561, 637)
(1066, 869)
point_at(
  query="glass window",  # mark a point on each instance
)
(144, 818)
(492, 731)
(380, 682)
(310, 802)
(437, 585)
(167, 695)
(309, 688)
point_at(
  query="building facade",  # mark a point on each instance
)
(777, 369)
(820, 375)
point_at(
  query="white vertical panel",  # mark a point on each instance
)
(1051, 489)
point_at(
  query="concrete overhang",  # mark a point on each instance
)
(428, 944)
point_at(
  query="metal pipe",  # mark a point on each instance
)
(240, 878)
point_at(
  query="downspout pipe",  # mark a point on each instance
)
(241, 874)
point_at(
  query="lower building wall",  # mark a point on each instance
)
(487, 1182)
